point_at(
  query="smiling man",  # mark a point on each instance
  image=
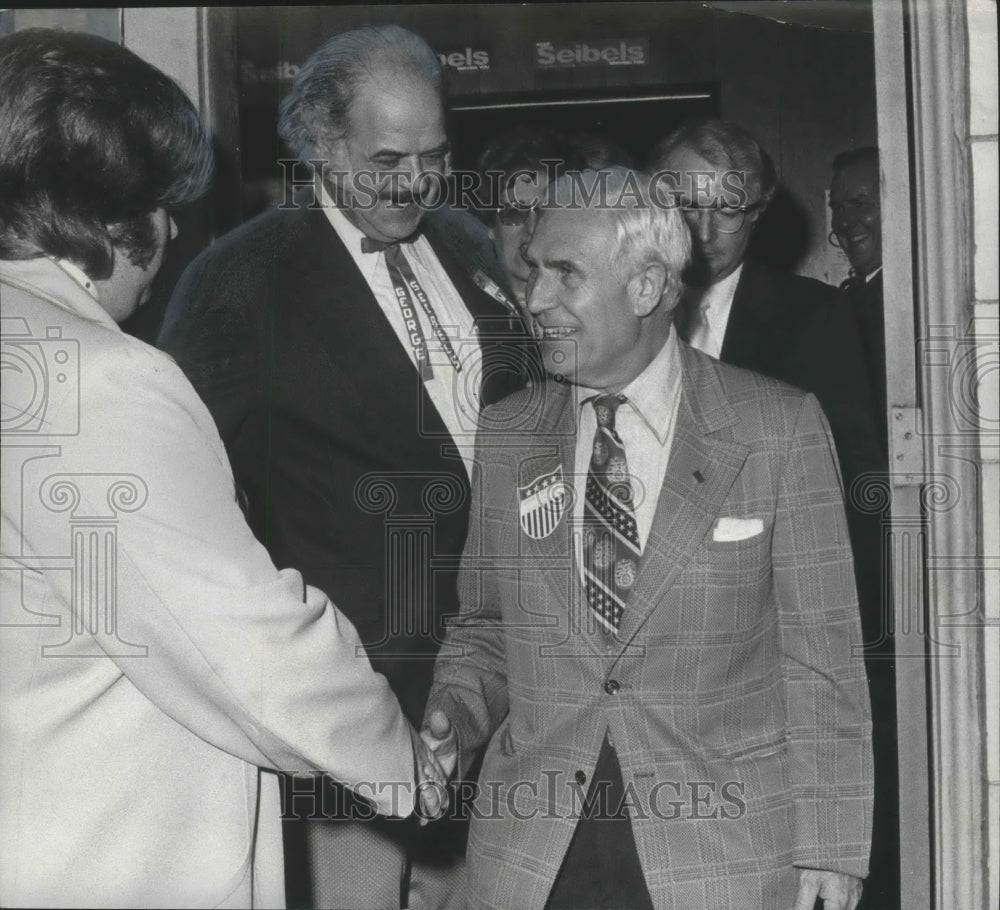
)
(856, 211)
(344, 353)
(657, 606)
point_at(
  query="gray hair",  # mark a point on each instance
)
(315, 110)
(648, 227)
(726, 146)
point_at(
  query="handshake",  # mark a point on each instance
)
(435, 754)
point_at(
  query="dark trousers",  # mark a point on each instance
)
(601, 868)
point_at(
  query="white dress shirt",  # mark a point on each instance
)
(645, 424)
(707, 326)
(455, 394)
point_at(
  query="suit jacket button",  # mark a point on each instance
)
(580, 777)
(612, 686)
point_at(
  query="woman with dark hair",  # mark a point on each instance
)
(130, 773)
(92, 146)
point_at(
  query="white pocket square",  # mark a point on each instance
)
(730, 529)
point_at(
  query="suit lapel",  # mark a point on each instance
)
(554, 557)
(365, 360)
(552, 448)
(342, 300)
(747, 339)
(704, 463)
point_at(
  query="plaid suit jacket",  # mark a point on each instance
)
(738, 710)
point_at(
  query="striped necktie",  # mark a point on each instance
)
(611, 547)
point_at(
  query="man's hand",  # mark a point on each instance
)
(442, 740)
(432, 780)
(838, 891)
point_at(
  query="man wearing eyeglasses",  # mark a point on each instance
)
(344, 354)
(518, 165)
(745, 313)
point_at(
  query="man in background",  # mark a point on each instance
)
(744, 312)
(856, 215)
(344, 355)
(519, 164)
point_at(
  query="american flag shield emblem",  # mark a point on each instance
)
(542, 503)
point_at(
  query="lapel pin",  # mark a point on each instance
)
(698, 476)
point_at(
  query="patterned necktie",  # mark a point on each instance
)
(611, 547)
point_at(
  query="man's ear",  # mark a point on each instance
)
(332, 150)
(758, 212)
(646, 287)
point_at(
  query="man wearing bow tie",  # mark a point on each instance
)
(657, 606)
(344, 355)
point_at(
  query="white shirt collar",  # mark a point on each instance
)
(720, 294)
(78, 275)
(60, 282)
(350, 235)
(650, 393)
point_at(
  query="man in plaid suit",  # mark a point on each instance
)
(658, 611)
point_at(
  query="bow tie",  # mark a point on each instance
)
(371, 245)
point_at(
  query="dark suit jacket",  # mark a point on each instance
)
(798, 329)
(865, 300)
(794, 329)
(349, 472)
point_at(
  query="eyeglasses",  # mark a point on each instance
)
(514, 215)
(726, 219)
